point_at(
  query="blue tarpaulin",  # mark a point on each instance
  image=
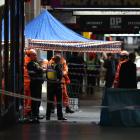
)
(46, 27)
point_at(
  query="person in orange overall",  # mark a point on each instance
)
(27, 102)
(65, 81)
(123, 58)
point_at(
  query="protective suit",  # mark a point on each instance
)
(65, 81)
(27, 102)
(123, 58)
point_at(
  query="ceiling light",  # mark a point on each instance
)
(76, 13)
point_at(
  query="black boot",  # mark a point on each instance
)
(68, 110)
(53, 109)
(62, 118)
(40, 117)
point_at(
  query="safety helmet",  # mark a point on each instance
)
(32, 51)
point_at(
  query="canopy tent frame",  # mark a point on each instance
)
(75, 46)
(45, 32)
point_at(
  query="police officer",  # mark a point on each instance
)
(36, 80)
(54, 88)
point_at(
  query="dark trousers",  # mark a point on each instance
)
(109, 81)
(36, 90)
(53, 90)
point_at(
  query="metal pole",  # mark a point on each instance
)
(22, 44)
(13, 56)
(12, 45)
(1, 15)
(6, 44)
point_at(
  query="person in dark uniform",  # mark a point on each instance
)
(36, 80)
(127, 75)
(110, 65)
(54, 88)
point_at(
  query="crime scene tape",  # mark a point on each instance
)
(12, 94)
(112, 108)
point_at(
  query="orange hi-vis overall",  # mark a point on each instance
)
(116, 79)
(27, 102)
(65, 81)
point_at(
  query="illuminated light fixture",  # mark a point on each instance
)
(2, 2)
(107, 35)
(75, 8)
(76, 13)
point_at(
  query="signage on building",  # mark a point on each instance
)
(95, 3)
(65, 17)
(110, 24)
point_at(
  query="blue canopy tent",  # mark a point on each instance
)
(47, 33)
(46, 27)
